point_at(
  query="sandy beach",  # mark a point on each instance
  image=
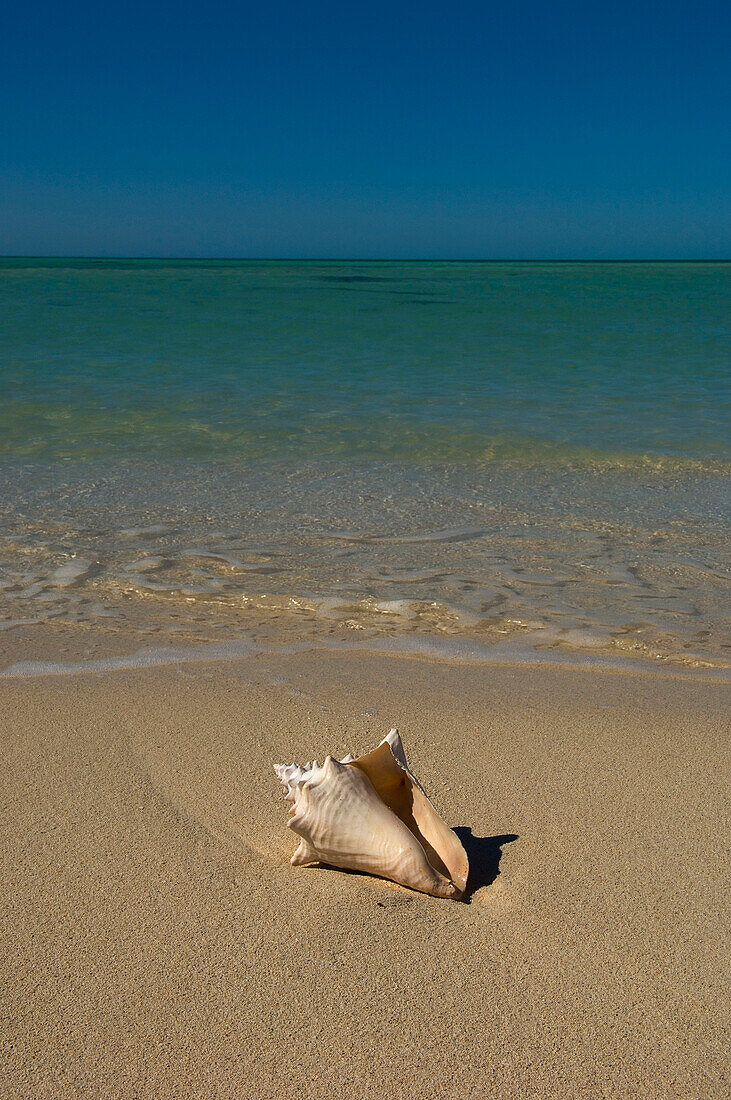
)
(158, 944)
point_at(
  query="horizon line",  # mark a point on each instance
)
(370, 259)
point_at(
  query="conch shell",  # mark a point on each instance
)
(371, 814)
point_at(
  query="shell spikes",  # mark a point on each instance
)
(370, 814)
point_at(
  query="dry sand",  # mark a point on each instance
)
(158, 944)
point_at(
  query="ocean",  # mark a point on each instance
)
(524, 457)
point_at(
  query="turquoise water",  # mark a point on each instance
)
(415, 362)
(526, 453)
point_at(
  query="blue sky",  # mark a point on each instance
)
(401, 129)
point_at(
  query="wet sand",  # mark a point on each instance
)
(158, 944)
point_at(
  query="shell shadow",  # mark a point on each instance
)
(484, 854)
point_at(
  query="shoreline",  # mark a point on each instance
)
(515, 653)
(624, 566)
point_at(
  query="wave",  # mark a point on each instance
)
(49, 433)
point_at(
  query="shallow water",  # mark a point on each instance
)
(500, 451)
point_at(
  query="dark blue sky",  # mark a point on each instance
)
(404, 129)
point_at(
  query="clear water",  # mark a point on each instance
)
(497, 449)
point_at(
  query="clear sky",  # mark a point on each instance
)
(524, 129)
